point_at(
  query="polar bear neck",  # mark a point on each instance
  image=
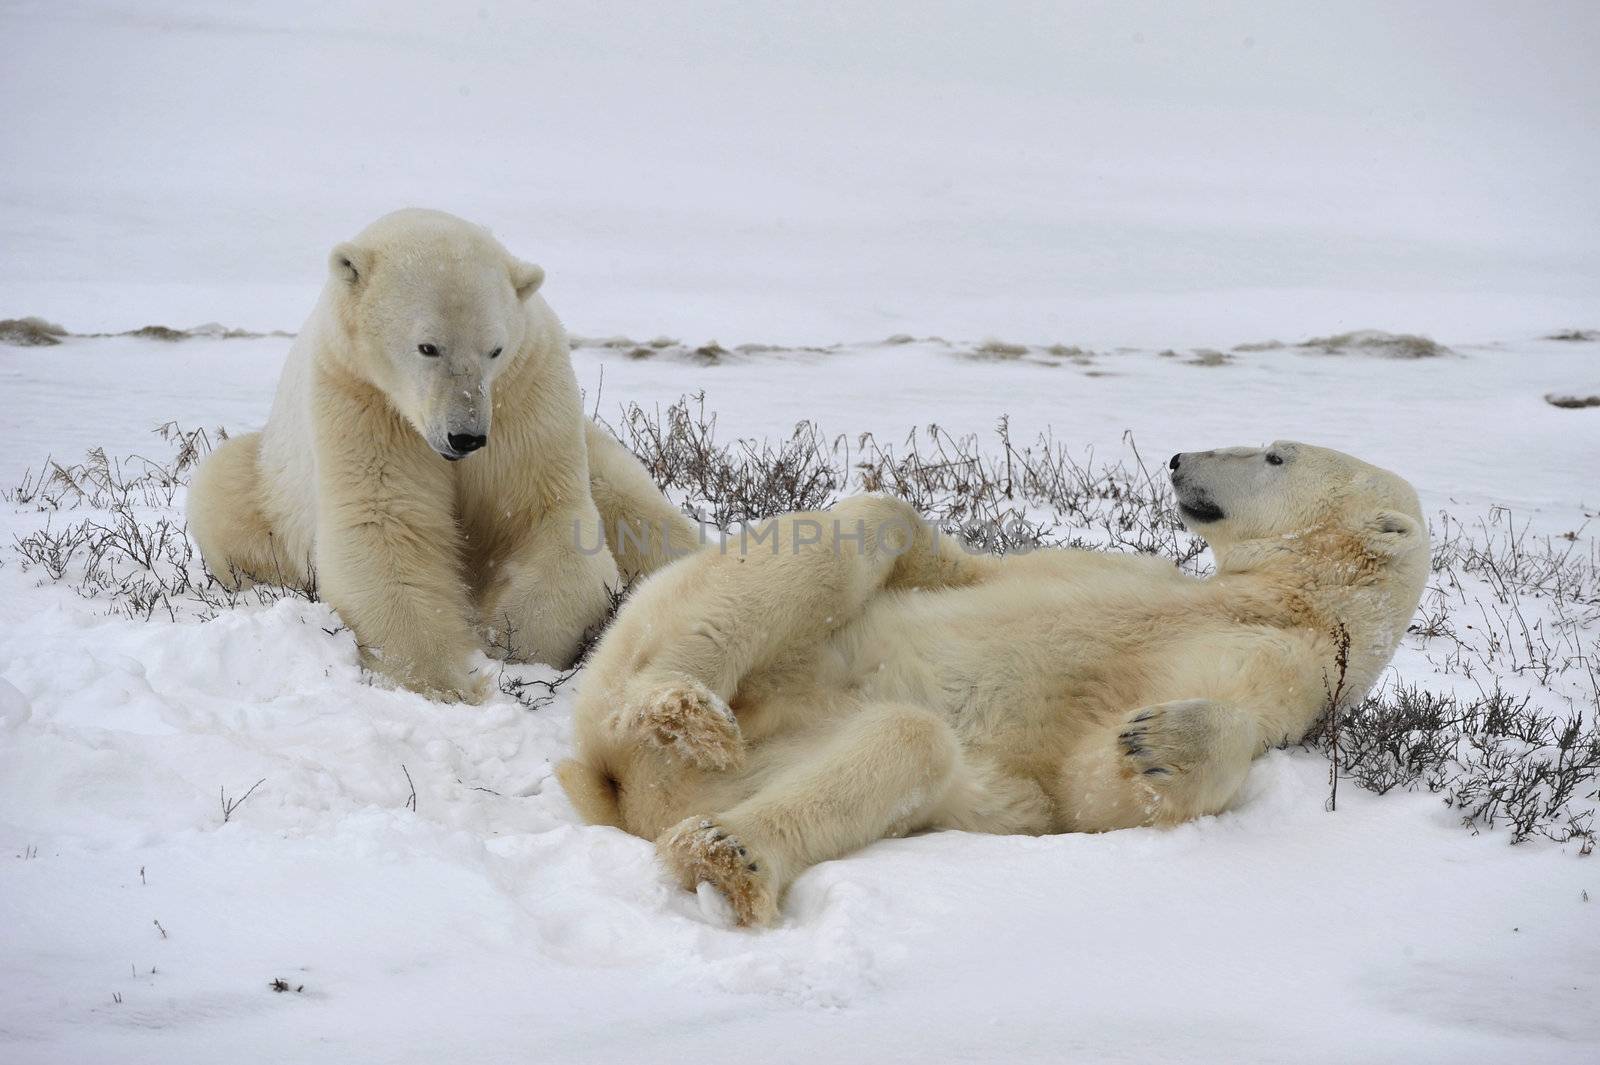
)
(1328, 581)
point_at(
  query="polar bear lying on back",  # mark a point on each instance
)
(848, 675)
(428, 454)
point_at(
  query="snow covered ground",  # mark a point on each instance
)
(1128, 178)
(487, 924)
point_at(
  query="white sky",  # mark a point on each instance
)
(1141, 173)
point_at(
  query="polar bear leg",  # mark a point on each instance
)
(552, 593)
(389, 548)
(642, 528)
(885, 772)
(772, 592)
(227, 521)
(791, 581)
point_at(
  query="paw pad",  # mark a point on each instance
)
(691, 721)
(700, 850)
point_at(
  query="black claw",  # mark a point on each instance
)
(1157, 771)
(753, 867)
(742, 853)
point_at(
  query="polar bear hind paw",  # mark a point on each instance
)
(690, 720)
(700, 850)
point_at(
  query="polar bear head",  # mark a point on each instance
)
(432, 308)
(1333, 542)
(1241, 495)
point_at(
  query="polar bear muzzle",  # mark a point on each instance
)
(1194, 502)
(1199, 508)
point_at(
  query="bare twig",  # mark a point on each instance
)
(230, 805)
(411, 803)
(1336, 697)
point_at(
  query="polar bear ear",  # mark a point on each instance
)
(526, 278)
(1389, 532)
(350, 264)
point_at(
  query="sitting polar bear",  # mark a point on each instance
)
(839, 677)
(427, 453)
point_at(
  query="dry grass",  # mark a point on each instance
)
(999, 349)
(998, 494)
(1497, 759)
(30, 332)
(1378, 343)
(36, 332)
(128, 549)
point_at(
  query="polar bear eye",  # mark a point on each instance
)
(495, 354)
(1274, 459)
(429, 350)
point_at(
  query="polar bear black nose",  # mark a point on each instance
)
(1172, 464)
(465, 442)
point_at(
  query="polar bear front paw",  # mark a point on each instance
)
(692, 721)
(469, 691)
(1188, 757)
(1166, 742)
(431, 677)
(700, 850)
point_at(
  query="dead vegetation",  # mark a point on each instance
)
(1496, 759)
(1070, 352)
(536, 692)
(998, 495)
(111, 533)
(709, 353)
(230, 806)
(1370, 342)
(1510, 621)
(36, 332)
(157, 332)
(1375, 342)
(1208, 357)
(1006, 351)
(30, 332)
(999, 349)
(209, 331)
